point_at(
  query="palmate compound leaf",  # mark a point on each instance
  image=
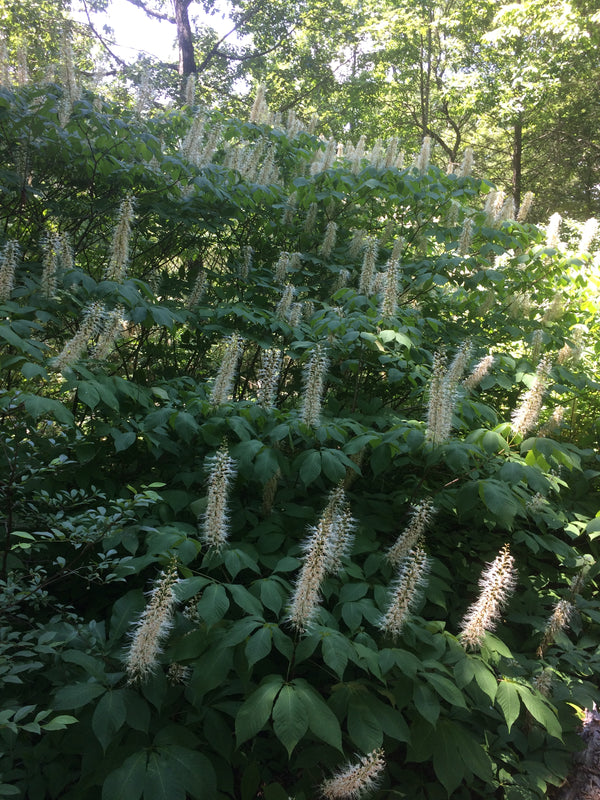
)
(540, 710)
(256, 710)
(321, 719)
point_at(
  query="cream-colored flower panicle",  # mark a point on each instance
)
(497, 583)
(268, 378)
(8, 264)
(215, 525)
(420, 519)
(119, 258)
(480, 370)
(356, 780)
(314, 386)
(558, 621)
(442, 393)
(112, 328)
(329, 239)
(152, 628)
(327, 543)
(406, 591)
(389, 300)
(74, 349)
(525, 416)
(368, 266)
(223, 385)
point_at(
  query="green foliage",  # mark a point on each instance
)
(106, 470)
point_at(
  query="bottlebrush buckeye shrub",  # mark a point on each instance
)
(309, 491)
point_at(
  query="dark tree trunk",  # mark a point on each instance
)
(187, 60)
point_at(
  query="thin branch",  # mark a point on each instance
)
(150, 12)
(100, 38)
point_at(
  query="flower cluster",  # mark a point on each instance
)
(90, 326)
(421, 517)
(314, 386)
(268, 378)
(223, 384)
(496, 583)
(368, 266)
(215, 526)
(8, 265)
(152, 628)
(525, 416)
(327, 543)
(480, 370)
(119, 258)
(355, 780)
(442, 393)
(405, 592)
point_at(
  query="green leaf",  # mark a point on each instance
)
(364, 725)
(213, 604)
(88, 394)
(426, 703)
(311, 467)
(507, 697)
(246, 601)
(46, 407)
(123, 440)
(485, 678)
(259, 645)
(194, 769)
(127, 782)
(290, 717)
(256, 710)
(540, 710)
(59, 723)
(125, 612)
(447, 762)
(77, 695)
(162, 780)
(109, 715)
(446, 689)
(321, 719)
(335, 653)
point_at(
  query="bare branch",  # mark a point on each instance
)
(101, 39)
(150, 12)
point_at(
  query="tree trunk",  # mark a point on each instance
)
(187, 60)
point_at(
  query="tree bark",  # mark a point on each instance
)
(187, 60)
(584, 781)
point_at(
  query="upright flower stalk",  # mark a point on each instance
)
(442, 394)
(119, 258)
(368, 266)
(314, 386)
(406, 590)
(525, 416)
(76, 346)
(215, 525)
(268, 378)
(152, 628)
(496, 583)
(327, 543)
(223, 385)
(420, 519)
(389, 300)
(8, 264)
(355, 780)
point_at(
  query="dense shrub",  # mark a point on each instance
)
(234, 372)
